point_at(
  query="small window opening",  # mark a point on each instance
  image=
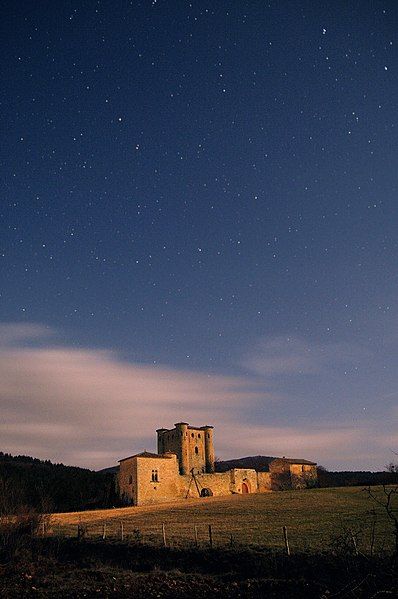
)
(196, 450)
(192, 435)
(130, 479)
(155, 477)
(199, 435)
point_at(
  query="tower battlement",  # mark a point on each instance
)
(192, 445)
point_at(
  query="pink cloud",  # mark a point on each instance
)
(88, 407)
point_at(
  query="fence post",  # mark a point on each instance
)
(196, 535)
(164, 535)
(210, 536)
(121, 530)
(372, 538)
(286, 540)
(354, 542)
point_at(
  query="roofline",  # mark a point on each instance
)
(197, 428)
(294, 461)
(163, 456)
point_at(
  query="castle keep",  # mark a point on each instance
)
(193, 447)
(184, 467)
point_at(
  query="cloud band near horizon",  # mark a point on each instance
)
(89, 407)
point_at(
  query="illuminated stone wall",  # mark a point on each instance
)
(184, 468)
(192, 445)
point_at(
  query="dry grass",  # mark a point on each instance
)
(313, 518)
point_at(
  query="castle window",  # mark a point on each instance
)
(155, 478)
(199, 435)
(196, 450)
(130, 480)
(192, 435)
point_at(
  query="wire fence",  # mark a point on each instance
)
(155, 534)
(364, 540)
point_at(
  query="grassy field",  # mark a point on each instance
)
(314, 519)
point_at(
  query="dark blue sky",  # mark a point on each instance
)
(211, 188)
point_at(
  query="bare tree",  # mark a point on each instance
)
(19, 523)
(386, 502)
(11, 497)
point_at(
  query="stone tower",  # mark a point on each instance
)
(193, 446)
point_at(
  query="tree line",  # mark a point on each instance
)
(44, 486)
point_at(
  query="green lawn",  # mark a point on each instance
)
(314, 519)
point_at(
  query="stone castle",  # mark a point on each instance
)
(184, 467)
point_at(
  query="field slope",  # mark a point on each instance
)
(314, 519)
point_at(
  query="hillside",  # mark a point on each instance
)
(259, 462)
(340, 541)
(315, 518)
(46, 486)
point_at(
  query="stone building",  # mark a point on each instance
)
(184, 467)
(193, 447)
(289, 473)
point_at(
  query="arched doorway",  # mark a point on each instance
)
(206, 493)
(245, 489)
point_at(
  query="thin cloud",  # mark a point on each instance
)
(76, 403)
(294, 356)
(13, 333)
(89, 407)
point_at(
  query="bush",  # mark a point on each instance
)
(16, 533)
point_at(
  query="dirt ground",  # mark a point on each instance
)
(73, 568)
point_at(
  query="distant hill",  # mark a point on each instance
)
(258, 462)
(53, 487)
(109, 470)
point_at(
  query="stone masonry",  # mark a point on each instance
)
(184, 467)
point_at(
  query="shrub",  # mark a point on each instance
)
(16, 533)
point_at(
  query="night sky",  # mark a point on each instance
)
(199, 222)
